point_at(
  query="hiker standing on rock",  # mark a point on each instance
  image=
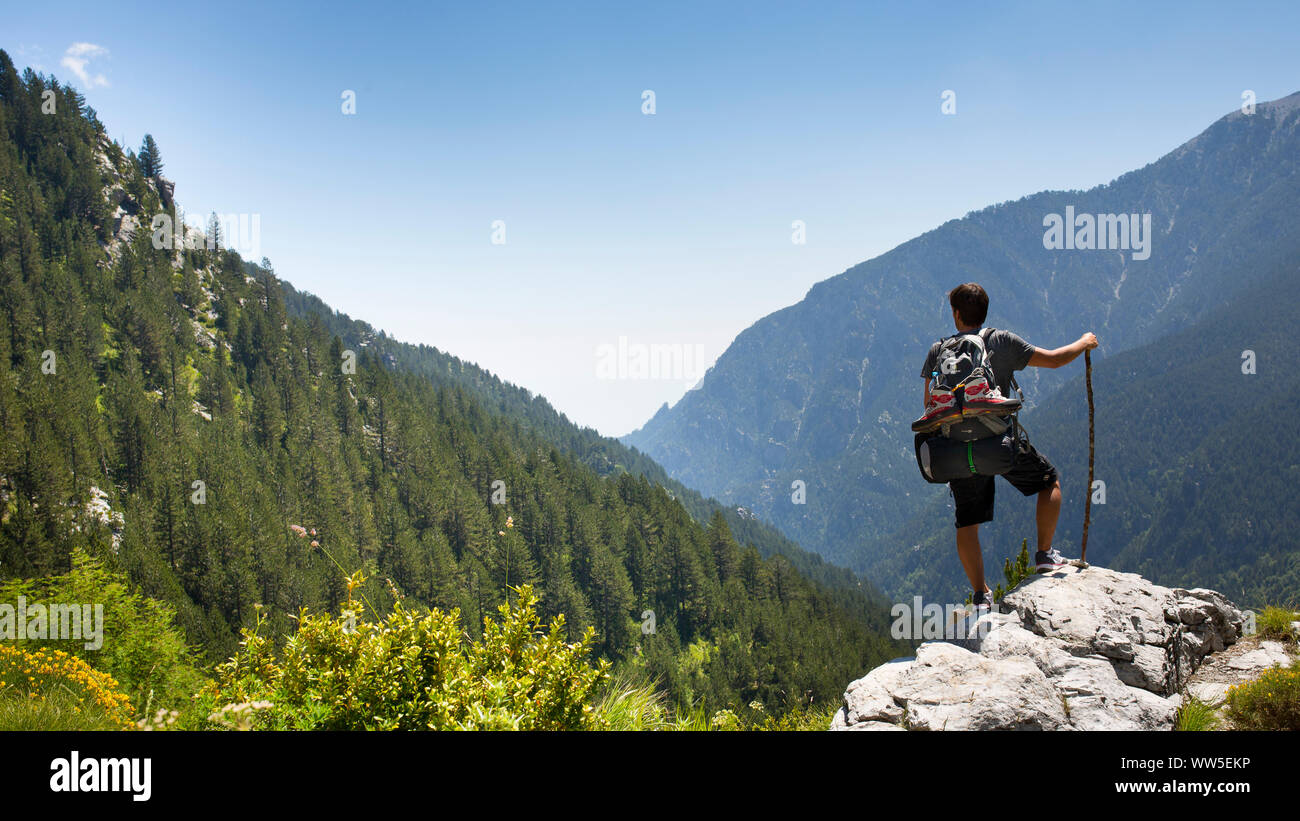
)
(969, 358)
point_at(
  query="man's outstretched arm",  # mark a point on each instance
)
(1063, 356)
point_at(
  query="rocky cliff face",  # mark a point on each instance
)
(1087, 649)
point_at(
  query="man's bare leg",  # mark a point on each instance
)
(1049, 510)
(972, 558)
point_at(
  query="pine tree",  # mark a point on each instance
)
(214, 232)
(611, 603)
(150, 159)
(726, 553)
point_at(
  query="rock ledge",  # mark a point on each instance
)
(1075, 649)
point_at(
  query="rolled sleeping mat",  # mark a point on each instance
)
(945, 460)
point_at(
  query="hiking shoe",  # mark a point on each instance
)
(1047, 561)
(980, 603)
(943, 408)
(981, 396)
(965, 624)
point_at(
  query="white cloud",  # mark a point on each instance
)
(31, 55)
(78, 56)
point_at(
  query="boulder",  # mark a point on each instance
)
(946, 687)
(1090, 649)
(1155, 636)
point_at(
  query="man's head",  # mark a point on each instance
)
(970, 305)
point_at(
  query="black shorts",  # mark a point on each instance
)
(973, 497)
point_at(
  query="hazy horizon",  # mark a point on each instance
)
(673, 228)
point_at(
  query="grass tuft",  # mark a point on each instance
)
(1196, 716)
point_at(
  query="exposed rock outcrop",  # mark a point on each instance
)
(1089, 649)
(166, 192)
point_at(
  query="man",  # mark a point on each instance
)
(1032, 473)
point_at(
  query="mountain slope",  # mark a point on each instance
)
(164, 409)
(605, 455)
(822, 391)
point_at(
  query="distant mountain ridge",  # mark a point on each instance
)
(822, 391)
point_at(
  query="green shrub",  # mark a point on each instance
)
(1270, 702)
(143, 649)
(725, 720)
(1275, 623)
(412, 671)
(1014, 571)
(800, 719)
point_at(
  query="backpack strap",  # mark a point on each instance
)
(984, 334)
(1018, 433)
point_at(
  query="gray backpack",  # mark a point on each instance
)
(983, 445)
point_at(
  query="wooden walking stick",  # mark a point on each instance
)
(1087, 496)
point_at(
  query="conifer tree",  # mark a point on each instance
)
(150, 159)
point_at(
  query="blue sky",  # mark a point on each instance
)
(673, 228)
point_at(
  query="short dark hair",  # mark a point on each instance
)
(970, 302)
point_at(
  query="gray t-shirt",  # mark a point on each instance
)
(1008, 353)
